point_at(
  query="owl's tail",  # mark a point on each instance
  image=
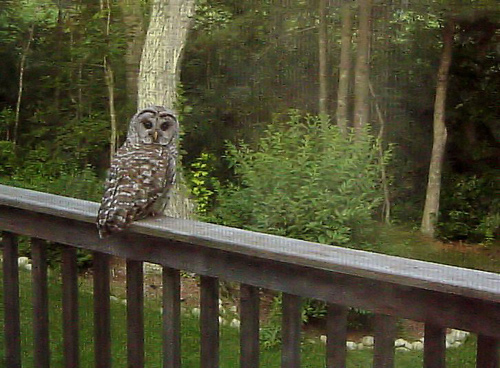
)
(110, 221)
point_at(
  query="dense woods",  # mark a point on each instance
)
(312, 119)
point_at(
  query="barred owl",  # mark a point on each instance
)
(142, 171)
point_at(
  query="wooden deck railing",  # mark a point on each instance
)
(391, 287)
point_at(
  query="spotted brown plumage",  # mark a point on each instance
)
(142, 171)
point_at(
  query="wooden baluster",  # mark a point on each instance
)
(249, 329)
(70, 307)
(487, 352)
(171, 318)
(209, 320)
(434, 346)
(385, 333)
(41, 353)
(291, 326)
(11, 301)
(336, 332)
(102, 324)
(135, 314)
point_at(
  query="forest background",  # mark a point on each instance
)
(312, 119)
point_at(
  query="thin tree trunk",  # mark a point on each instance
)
(362, 72)
(160, 73)
(22, 65)
(163, 49)
(110, 83)
(133, 18)
(431, 208)
(385, 183)
(344, 68)
(323, 67)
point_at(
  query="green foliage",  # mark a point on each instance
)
(304, 180)
(203, 184)
(470, 208)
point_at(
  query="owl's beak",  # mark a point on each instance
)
(155, 135)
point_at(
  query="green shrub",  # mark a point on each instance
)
(470, 208)
(304, 180)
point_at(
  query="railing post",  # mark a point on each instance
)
(41, 353)
(12, 327)
(209, 320)
(434, 346)
(385, 333)
(249, 329)
(70, 307)
(487, 352)
(102, 324)
(291, 326)
(336, 331)
(171, 318)
(135, 314)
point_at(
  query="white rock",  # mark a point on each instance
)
(351, 345)
(221, 320)
(360, 346)
(400, 343)
(195, 311)
(114, 298)
(323, 339)
(21, 261)
(447, 344)
(450, 338)
(28, 266)
(402, 348)
(235, 323)
(152, 268)
(368, 341)
(417, 345)
(220, 302)
(459, 334)
(233, 308)
(123, 301)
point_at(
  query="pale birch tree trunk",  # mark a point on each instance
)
(362, 71)
(22, 65)
(162, 52)
(110, 80)
(159, 73)
(431, 208)
(344, 68)
(323, 64)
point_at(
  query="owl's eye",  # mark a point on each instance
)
(164, 126)
(147, 124)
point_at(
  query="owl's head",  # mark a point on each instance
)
(153, 125)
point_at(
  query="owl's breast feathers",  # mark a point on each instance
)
(139, 179)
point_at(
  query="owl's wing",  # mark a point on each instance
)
(136, 180)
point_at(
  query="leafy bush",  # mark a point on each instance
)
(304, 180)
(470, 208)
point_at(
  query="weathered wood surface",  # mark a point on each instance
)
(249, 329)
(426, 275)
(102, 312)
(378, 296)
(336, 331)
(209, 322)
(12, 327)
(70, 307)
(135, 314)
(171, 318)
(41, 351)
(434, 346)
(385, 334)
(488, 353)
(290, 331)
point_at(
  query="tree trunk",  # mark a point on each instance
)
(160, 71)
(109, 79)
(344, 69)
(431, 208)
(133, 18)
(323, 67)
(162, 52)
(22, 65)
(362, 72)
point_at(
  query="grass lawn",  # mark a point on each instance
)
(313, 350)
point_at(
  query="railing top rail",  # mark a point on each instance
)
(396, 270)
